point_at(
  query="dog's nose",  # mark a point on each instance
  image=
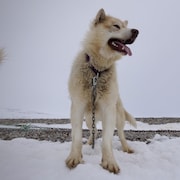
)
(135, 32)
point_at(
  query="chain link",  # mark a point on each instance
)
(94, 94)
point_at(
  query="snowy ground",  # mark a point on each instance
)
(26, 159)
(140, 126)
(13, 113)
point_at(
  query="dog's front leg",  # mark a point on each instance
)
(108, 123)
(75, 156)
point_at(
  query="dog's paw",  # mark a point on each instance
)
(128, 150)
(73, 161)
(111, 166)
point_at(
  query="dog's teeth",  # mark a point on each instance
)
(114, 44)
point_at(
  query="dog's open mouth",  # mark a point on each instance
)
(120, 46)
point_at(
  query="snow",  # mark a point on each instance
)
(31, 159)
(35, 160)
(15, 113)
(140, 126)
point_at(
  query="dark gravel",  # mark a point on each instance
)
(64, 135)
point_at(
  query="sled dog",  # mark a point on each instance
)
(104, 44)
(1, 55)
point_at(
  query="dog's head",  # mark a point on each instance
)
(110, 36)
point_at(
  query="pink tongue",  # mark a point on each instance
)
(128, 50)
(123, 47)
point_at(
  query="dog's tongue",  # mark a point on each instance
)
(119, 46)
(123, 48)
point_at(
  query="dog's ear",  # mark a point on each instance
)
(100, 17)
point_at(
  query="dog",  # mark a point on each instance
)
(104, 44)
(1, 55)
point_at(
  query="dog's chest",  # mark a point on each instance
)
(103, 83)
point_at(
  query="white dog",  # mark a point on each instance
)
(103, 45)
(1, 54)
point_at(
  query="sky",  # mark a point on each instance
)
(42, 37)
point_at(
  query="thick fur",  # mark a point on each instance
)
(1, 55)
(109, 108)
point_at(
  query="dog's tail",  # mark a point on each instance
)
(1, 55)
(130, 118)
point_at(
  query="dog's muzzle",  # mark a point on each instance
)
(134, 35)
(120, 44)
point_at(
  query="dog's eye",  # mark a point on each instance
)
(116, 26)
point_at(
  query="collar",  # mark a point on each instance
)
(92, 67)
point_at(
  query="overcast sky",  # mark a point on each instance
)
(42, 37)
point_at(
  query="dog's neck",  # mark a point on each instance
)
(95, 70)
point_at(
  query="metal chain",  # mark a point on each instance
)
(94, 93)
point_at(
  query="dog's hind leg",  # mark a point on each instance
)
(75, 156)
(120, 122)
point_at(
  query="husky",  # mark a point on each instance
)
(104, 44)
(1, 55)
